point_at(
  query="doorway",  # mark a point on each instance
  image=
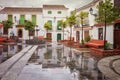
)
(86, 34)
(49, 36)
(100, 33)
(20, 33)
(77, 36)
(58, 36)
(117, 36)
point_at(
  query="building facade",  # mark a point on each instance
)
(48, 13)
(53, 14)
(96, 30)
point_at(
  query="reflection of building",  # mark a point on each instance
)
(49, 13)
(96, 30)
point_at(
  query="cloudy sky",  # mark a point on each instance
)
(72, 4)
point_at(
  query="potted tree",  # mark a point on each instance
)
(107, 13)
(47, 26)
(7, 24)
(82, 16)
(29, 26)
(71, 21)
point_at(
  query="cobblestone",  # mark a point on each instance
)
(107, 67)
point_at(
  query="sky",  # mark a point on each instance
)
(71, 4)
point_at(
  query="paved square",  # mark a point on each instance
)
(36, 72)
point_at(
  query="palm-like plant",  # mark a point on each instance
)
(28, 25)
(71, 21)
(47, 26)
(7, 24)
(82, 16)
(63, 25)
(107, 13)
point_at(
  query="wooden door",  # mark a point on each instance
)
(100, 33)
(49, 36)
(77, 36)
(58, 37)
(117, 36)
(86, 34)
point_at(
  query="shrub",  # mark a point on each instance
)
(87, 38)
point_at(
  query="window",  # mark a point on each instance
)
(49, 12)
(59, 25)
(22, 19)
(59, 12)
(34, 19)
(100, 33)
(10, 18)
(50, 22)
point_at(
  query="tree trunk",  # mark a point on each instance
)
(82, 31)
(63, 41)
(29, 34)
(70, 40)
(105, 33)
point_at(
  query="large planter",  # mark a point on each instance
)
(103, 53)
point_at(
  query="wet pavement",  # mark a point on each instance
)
(110, 67)
(50, 62)
(56, 60)
(11, 68)
(36, 72)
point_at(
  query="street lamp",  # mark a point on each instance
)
(91, 12)
(15, 18)
(37, 29)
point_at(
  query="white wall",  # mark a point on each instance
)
(54, 17)
(109, 33)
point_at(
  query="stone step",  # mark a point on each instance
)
(4, 67)
(14, 72)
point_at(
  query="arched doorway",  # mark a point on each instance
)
(20, 33)
(117, 36)
(58, 36)
(49, 36)
(77, 36)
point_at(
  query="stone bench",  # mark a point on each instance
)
(95, 43)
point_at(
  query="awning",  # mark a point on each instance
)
(1, 25)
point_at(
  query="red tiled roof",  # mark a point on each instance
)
(20, 9)
(54, 7)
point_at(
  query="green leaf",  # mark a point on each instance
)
(107, 11)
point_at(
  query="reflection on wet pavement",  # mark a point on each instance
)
(8, 50)
(80, 63)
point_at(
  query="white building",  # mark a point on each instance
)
(53, 14)
(48, 13)
(96, 30)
